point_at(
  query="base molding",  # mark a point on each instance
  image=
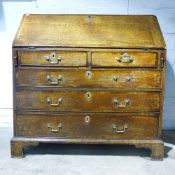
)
(19, 143)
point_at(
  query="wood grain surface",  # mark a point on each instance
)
(106, 31)
(39, 58)
(94, 78)
(99, 126)
(140, 59)
(83, 100)
(88, 79)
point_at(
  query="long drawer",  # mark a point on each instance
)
(53, 58)
(93, 126)
(82, 100)
(95, 78)
(124, 59)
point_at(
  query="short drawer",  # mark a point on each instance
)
(124, 79)
(81, 100)
(122, 59)
(52, 58)
(92, 126)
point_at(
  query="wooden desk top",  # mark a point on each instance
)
(92, 31)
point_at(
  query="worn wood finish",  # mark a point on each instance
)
(39, 58)
(140, 59)
(96, 101)
(88, 79)
(108, 31)
(94, 78)
(17, 147)
(157, 149)
(87, 126)
(156, 146)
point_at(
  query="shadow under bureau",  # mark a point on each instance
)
(88, 79)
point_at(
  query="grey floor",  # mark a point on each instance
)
(83, 159)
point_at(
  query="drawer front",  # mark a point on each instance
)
(120, 59)
(95, 78)
(97, 126)
(97, 101)
(52, 58)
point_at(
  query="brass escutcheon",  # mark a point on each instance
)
(87, 119)
(88, 95)
(125, 58)
(88, 74)
(53, 59)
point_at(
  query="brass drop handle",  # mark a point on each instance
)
(49, 101)
(125, 58)
(49, 79)
(59, 126)
(121, 105)
(118, 130)
(52, 59)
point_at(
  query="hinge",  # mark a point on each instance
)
(15, 58)
(146, 49)
(162, 59)
(31, 47)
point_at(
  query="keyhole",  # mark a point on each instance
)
(87, 119)
(53, 55)
(88, 73)
(88, 95)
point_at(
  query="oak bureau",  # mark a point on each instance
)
(94, 79)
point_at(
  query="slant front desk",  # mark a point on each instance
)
(88, 79)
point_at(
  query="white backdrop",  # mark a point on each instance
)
(11, 12)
